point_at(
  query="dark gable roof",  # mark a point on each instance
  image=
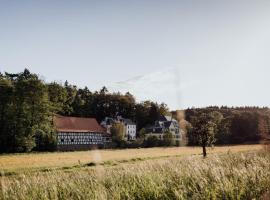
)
(164, 118)
(77, 124)
(167, 124)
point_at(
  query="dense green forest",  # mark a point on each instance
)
(28, 105)
(230, 125)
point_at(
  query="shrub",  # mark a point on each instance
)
(168, 139)
(152, 141)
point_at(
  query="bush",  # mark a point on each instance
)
(152, 141)
(45, 142)
(135, 144)
(168, 140)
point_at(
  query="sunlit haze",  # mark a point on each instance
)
(184, 53)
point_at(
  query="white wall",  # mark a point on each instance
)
(131, 131)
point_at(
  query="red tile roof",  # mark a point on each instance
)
(77, 124)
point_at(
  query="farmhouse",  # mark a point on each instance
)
(75, 133)
(163, 125)
(129, 130)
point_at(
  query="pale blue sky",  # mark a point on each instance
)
(186, 53)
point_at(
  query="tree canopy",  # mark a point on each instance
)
(28, 105)
(232, 125)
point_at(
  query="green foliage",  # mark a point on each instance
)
(152, 141)
(146, 113)
(224, 135)
(28, 104)
(6, 94)
(58, 97)
(234, 125)
(168, 139)
(27, 107)
(203, 130)
(118, 133)
(141, 133)
(71, 91)
(45, 141)
(138, 143)
(178, 143)
(27, 110)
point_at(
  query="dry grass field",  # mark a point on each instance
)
(34, 161)
(236, 172)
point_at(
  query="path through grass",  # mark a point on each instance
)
(238, 175)
(10, 163)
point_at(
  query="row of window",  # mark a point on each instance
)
(131, 126)
(79, 140)
(131, 132)
(74, 141)
(71, 143)
(80, 134)
(82, 138)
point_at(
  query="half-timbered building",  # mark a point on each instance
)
(76, 133)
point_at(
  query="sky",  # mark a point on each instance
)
(187, 53)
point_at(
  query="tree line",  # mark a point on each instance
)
(224, 125)
(28, 105)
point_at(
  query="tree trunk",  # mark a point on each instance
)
(204, 151)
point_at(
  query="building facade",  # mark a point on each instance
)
(75, 133)
(163, 125)
(130, 128)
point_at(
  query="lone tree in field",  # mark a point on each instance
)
(203, 130)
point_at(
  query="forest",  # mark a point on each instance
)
(28, 105)
(236, 125)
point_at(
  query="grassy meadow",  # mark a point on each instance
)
(235, 172)
(39, 161)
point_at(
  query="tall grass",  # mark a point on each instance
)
(230, 176)
(35, 161)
